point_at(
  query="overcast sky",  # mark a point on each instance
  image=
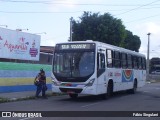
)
(53, 18)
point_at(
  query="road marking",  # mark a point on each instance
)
(146, 91)
(157, 88)
(26, 118)
(90, 104)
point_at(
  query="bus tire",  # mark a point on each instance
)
(134, 89)
(109, 91)
(73, 96)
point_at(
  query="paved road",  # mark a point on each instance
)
(146, 99)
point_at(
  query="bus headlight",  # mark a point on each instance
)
(54, 82)
(90, 83)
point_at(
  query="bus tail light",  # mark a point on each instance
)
(90, 83)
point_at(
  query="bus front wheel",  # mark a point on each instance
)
(109, 91)
(73, 96)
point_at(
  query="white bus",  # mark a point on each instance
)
(95, 68)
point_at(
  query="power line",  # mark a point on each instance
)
(37, 12)
(43, 12)
(15, 1)
(128, 9)
(137, 7)
(82, 4)
(143, 18)
(51, 2)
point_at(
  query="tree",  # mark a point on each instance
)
(103, 28)
(132, 42)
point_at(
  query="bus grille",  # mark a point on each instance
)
(70, 90)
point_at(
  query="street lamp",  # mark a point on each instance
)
(4, 25)
(148, 55)
(71, 19)
(20, 30)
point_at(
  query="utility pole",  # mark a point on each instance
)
(71, 29)
(148, 47)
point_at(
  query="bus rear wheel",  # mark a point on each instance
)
(134, 89)
(73, 96)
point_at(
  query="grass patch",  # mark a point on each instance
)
(3, 100)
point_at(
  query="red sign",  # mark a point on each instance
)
(12, 47)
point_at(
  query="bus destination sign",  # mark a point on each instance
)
(75, 46)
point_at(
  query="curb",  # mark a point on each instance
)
(153, 81)
(4, 100)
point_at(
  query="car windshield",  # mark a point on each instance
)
(73, 64)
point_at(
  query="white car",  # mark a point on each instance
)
(156, 72)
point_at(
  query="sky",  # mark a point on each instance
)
(51, 18)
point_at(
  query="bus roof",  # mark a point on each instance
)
(108, 46)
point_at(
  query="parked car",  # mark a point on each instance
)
(156, 72)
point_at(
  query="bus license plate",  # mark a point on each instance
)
(70, 92)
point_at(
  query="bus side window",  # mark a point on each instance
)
(139, 62)
(144, 63)
(109, 59)
(117, 61)
(124, 60)
(129, 61)
(100, 64)
(135, 63)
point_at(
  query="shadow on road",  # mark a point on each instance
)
(97, 98)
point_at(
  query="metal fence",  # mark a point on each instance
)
(154, 77)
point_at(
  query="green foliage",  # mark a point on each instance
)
(2, 100)
(104, 28)
(132, 42)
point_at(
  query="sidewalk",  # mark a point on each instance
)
(21, 95)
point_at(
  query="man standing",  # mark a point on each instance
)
(41, 79)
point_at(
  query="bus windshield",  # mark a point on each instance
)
(74, 64)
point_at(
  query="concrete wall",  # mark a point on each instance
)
(16, 77)
(45, 58)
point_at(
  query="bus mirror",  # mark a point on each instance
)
(101, 50)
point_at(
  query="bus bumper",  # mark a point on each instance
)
(85, 90)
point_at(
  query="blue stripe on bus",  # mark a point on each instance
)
(20, 88)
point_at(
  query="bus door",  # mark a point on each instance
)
(101, 76)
